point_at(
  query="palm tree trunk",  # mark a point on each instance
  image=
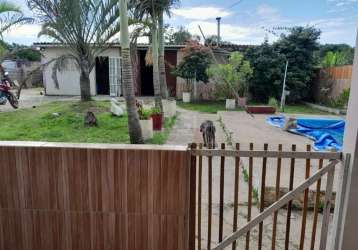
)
(162, 73)
(156, 81)
(85, 84)
(135, 132)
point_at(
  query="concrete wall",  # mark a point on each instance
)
(19, 70)
(69, 78)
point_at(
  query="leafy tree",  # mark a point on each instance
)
(298, 47)
(268, 69)
(179, 37)
(231, 78)
(135, 132)
(346, 51)
(84, 26)
(195, 63)
(337, 58)
(330, 59)
(22, 52)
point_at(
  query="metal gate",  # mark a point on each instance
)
(221, 223)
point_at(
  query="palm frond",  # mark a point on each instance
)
(10, 16)
(84, 26)
(6, 6)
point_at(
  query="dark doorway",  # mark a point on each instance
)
(147, 88)
(171, 61)
(102, 75)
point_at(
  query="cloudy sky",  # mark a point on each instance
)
(245, 21)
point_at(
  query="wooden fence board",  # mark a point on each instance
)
(63, 197)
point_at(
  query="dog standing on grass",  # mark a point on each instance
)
(208, 130)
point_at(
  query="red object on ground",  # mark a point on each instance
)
(157, 121)
(261, 109)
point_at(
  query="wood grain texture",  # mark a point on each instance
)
(63, 197)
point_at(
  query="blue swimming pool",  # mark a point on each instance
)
(326, 133)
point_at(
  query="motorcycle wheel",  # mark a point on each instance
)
(14, 102)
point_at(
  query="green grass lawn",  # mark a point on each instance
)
(39, 124)
(215, 106)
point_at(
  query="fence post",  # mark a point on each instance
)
(192, 198)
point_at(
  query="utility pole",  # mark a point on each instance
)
(283, 96)
(218, 19)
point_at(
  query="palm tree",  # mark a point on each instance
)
(135, 132)
(85, 27)
(161, 59)
(155, 9)
(165, 8)
(10, 16)
(142, 10)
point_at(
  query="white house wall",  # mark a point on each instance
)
(69, 77)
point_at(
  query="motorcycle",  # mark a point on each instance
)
(6, 94)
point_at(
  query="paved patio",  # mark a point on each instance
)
(245, 130)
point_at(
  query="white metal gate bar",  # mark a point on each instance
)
(284, 200)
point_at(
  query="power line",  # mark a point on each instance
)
(235, 4)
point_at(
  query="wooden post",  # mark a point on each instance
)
(327, 210)
(221, 206)
(199, 196)
(236, 194)
(249, 202)
(262, 196)
(210, 198)
(192, 199)
(289, 205)
(277, 197)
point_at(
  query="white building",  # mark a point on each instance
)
(106, 76)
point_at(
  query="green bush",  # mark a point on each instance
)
(231, 78)
(144, 114)
(273, 102)
(194, 65)
(156, 111)
(342, 100)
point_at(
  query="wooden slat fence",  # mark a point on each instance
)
(330, 82)
(253, 231)
(66, 196)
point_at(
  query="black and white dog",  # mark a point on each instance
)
(208, 130)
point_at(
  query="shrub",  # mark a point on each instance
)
(273, 102)
(342, 100)
(231, 78)
(194, 65)
(156, 111)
